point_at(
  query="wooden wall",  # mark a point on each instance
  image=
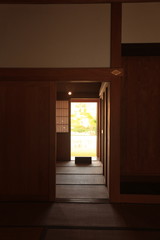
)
(140, 126)
(25, 140)
(63, 146)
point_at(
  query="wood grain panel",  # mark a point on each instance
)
(24, 140)
(141, 116)
(63, 147)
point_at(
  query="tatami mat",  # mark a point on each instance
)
(79, 170)
(72, 164)
(80, 179)
(20, 233)
(81, 191)
(72, 234)
(135, 216)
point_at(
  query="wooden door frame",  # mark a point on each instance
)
(113, 137)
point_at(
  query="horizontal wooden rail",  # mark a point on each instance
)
(60, 74)
(69, 1)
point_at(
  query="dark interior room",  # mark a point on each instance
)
(79, 119)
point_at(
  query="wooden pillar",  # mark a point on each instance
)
(115, 104)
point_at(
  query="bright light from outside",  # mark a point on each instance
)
(84, 129)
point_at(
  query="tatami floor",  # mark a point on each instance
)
(80, 181)
(79, 219)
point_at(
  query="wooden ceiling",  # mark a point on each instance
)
(70, 1)
(79, 87)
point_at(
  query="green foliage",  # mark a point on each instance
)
(82, 121)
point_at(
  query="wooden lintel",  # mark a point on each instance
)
(70, 1)
(60, 74)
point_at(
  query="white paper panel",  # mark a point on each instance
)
(141, 23)
(55, 35)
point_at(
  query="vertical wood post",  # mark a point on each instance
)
(115, 104)
(52, 134)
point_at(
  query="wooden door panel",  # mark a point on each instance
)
(24, 140)
(141, 116)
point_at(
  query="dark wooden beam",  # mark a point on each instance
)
(115, 140)
(52, 140)
(141, 49)
(116, 22)
(60, 74)
(52, 1)
(69, 1)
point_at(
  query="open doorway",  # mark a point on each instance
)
(84, 128)
(78, 135)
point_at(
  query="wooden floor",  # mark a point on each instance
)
(80, 181)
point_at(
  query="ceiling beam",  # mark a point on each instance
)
(60, 74)
(70, 1)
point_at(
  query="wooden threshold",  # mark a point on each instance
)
(83, 200)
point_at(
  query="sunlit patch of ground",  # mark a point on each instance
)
(84, 146)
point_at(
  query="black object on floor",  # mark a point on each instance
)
(83, 160)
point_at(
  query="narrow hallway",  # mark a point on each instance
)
(80, 182)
